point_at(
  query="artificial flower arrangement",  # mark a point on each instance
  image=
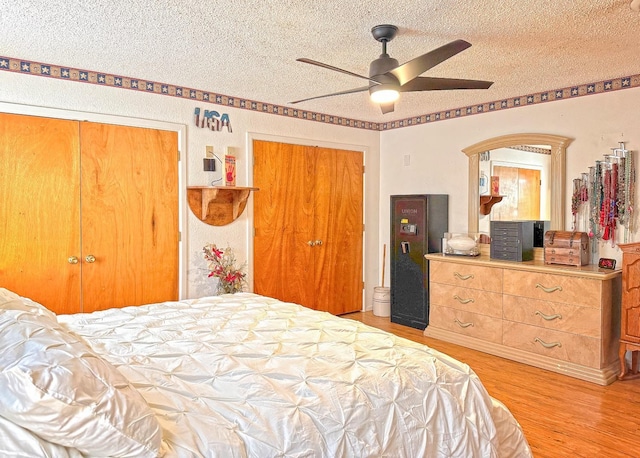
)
(222, 265)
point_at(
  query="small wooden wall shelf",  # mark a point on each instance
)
(486, 202)
(218, 205)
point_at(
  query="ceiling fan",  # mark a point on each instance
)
(387, 78)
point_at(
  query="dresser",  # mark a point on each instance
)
(630, 324)
(561, 318)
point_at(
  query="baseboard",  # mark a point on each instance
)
(604, 376)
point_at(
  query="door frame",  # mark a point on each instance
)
(251, 136)
(181, 129)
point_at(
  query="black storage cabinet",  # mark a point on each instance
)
(512, 240)
(418, 224)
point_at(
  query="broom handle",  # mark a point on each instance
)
(384, 259)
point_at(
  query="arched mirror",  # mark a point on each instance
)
(554, 173)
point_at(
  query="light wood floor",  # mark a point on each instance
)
(561, 416)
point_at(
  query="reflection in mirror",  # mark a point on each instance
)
(523, 184)
(557, 146)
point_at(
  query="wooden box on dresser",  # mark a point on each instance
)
(561, 318)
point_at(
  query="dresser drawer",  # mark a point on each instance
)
(466, 323)
(501, 229)
(552, 315)
(506, 255)
(552, 287)
(501, 247)
(573, 348)
(468, 276)
(500, 242)
(467, 299)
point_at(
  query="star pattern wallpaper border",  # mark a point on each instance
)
(154, 87)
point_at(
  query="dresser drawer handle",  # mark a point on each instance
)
(461, 300)
(549, 317)
(547, 345)
(463, 277)
(461, 324)
(549, 290)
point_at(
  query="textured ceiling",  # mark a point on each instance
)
(249, 48)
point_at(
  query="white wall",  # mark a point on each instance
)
(596, 122)
(54, 93)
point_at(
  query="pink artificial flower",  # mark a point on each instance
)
(218, 271)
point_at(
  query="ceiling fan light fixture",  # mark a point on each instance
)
(384, 93)
(387, 78)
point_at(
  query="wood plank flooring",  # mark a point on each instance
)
(561, 416)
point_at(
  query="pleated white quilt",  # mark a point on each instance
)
(248, 376)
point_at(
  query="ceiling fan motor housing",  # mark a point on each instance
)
(378, 71)
(381, 66)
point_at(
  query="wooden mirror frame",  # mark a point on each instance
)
(557, 173)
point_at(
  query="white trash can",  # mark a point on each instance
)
(381, 301)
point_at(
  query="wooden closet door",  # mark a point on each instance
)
(129, 215)
(283, 221)
(521, 188)
(339, 225)
(39, 210)
(308, 225)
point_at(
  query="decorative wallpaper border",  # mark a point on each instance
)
(154, 87)
(519, 101)
(531, 149)
(136, 84)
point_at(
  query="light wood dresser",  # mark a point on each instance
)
(561, 318)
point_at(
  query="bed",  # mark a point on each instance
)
(237, 375)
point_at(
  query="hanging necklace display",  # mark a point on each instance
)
(609, 191)
(625, 188)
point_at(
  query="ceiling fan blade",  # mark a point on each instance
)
(386, 107)
(416, 67)
(441, 84)
(348, 91)
(336, 69)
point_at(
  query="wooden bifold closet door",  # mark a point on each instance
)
(89, 213)
(308, 221)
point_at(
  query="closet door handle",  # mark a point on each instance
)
(318, 242)
(311, 243)
(72, 260)
(90, 258)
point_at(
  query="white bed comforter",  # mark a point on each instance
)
(247, 376)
